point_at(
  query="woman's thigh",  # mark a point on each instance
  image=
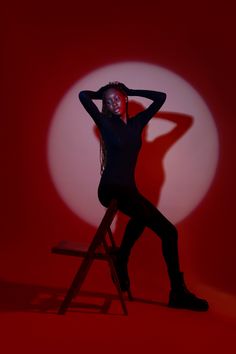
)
(135, 205)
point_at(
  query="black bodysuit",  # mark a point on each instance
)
(123, 142)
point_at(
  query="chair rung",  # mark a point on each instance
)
(75, 249)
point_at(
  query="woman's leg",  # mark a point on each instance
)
(142, 214)
(133, 231)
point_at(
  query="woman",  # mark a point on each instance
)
(121, 142)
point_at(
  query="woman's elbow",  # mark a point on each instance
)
(81, 95)
(164, 96)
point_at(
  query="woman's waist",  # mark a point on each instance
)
(115, 190)
(117, 179)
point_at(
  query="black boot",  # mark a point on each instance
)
(180, 297)
(121, 266)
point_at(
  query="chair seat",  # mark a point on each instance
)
(77, 249)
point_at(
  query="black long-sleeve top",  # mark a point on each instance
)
(122, 140)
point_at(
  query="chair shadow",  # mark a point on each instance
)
(20, 297)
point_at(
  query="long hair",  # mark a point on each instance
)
(105, 111)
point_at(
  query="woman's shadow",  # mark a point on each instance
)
(150, 174)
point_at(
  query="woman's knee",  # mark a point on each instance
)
(169, 233)
(172, 232)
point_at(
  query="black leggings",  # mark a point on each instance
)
(143, 213)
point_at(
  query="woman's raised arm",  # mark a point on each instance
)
(157, 97)
(86, 97)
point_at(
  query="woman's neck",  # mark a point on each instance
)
(124, 117)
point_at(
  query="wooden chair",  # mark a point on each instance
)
(91, 253)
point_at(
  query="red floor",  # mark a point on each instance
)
(29, 323)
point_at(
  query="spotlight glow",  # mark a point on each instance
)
(189, 164)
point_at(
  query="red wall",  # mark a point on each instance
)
(47, 48)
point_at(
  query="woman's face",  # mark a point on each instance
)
(115, 101)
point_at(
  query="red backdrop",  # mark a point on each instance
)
(47, 48)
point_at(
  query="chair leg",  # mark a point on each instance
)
(130, 296)
(117, 285)
(114, 275)
(76, 284)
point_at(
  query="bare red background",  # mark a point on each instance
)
(46, 49)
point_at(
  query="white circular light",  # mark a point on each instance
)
(189, 163)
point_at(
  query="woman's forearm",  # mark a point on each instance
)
(157, 97)
(153, 95)
(89, 94)
(86, 98)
